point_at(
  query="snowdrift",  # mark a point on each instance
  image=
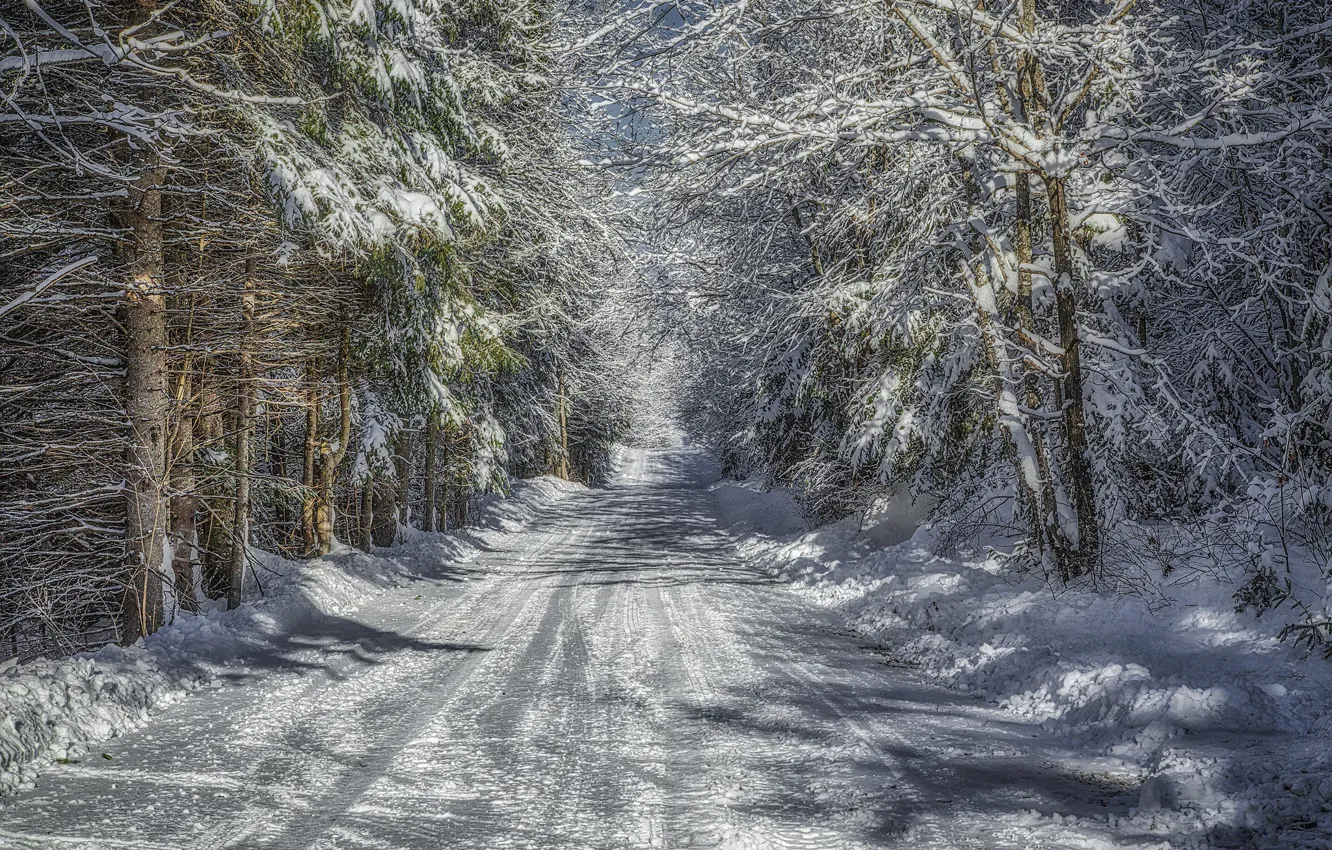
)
(60, 709)
(1226, 730)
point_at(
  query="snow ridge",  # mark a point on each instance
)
(59, 709)
(1224, 728)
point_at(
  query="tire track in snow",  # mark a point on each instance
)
(645, 723)
(494, 624)
(642, 689)
(500, 739)
(629, 647)
(757, 750)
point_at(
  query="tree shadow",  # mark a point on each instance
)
(810, 770)
(833, 736)
(332, 645)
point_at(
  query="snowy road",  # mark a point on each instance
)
(612, 677)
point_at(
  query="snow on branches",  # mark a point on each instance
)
(254, 252)
(1062, 260)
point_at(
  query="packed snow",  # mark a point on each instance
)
(677, 661)
(59, 710)
(1219, 733)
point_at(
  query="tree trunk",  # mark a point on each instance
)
(1075, 556)
(461, 500)
(214, 526)
(460, 491)
(402, 465)
(288, 521)
(442, 522)
(184, 498)
(245, 403)
(1040, 504)
(331, 457)
(562, 467)
(144, 311)
(1009, 370)
(308, 499)
(384, 524)
(1032, 501)
(430, 518)
(1085, 548)
(367, 515)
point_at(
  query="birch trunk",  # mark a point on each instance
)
(1076, 546)
(1040, 505)
(1008, 369)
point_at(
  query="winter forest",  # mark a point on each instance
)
(278, 275)
(310, 299)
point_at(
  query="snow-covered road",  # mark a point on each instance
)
(612, 677)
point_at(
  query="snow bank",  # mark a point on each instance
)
(745, 506)
(1228, 730)
(60, 709)
(521, 506)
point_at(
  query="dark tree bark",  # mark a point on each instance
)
(308, 532)
(245, 403)
(184, 497)
(331, 457)
(430, 520)
(214, 523)
(144, 312)
(442, 523)
(367, 517)
(384, 523)
(402, 466)
(562, 466)
(1083, 551)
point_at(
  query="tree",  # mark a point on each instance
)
(318, 226)
(945, 229)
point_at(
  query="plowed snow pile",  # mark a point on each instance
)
(1227, 729)
(59, 709)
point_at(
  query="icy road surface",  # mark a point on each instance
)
(613, 677)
